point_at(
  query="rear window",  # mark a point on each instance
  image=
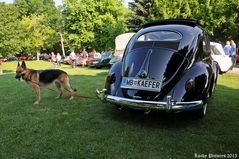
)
(160, 36)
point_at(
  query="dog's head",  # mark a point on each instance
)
(21, 70)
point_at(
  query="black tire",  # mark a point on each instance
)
(214, 82)
(212, 87)
(200, 113)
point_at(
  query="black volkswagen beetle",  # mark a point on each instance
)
(167, 65)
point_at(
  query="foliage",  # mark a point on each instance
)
(88, 128)
(41, 22)
(10, 32)
(219, 17)
(47, 8)
(36, 34)
(95, 23)
(95, 26)
(140, 13)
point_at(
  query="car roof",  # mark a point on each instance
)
(189, 22)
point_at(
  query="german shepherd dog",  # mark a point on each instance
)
(40, 78)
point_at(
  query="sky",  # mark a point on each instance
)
(59, 2)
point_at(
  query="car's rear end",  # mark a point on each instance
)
(153, 67)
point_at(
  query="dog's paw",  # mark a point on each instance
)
(36, 102)
(72, 97)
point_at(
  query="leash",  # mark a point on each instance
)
(69, 94)
(73, 94)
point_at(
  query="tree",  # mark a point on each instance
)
(39, 7)
(218, 17)
(10, 30)
(95, 26)
(49, 19)
(79, 22)
(37, 35)
(140, 13)
(109, 22)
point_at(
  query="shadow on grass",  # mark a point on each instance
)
(219, 109)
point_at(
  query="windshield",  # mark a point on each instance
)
(217, 50)
(160, 36)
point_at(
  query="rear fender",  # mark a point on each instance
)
(113, 79)
(199, 73)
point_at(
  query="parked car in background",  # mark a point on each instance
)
(24, 57)
(66, 60)
(3, 59)
(11, 58)
(165, 67)
(93, 58)
(103, 61)
(94, 55)
(45, 56)
(218, 55)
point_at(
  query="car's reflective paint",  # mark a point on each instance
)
(174, 62)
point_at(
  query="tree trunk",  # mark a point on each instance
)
(62, 46)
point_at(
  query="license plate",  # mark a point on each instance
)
(141, 84)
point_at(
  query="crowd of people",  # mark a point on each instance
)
(231, 50)
(74, 58)
(56, 59)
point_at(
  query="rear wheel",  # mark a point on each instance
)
(200, 113)
(213, 83)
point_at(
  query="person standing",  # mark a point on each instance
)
(53, 60)
(73, 59)
(85, 57)
(233, 52)
(227, 48)
(58, 59)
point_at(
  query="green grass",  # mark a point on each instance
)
(87, 128)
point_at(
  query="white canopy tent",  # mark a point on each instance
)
(121, 42)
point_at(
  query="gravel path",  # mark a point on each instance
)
(235, 70)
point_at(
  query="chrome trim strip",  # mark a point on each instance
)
(169, 105)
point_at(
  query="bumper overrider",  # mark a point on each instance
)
(168, 106)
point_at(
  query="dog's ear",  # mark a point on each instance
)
(18, 64)
(24, 65)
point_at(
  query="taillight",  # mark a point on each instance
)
(189, 85)
(111, 78)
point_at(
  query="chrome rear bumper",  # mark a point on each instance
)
(168, 106)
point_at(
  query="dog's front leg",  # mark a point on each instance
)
(38, 95)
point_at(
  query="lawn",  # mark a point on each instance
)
(237, 64)
(87, 128)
